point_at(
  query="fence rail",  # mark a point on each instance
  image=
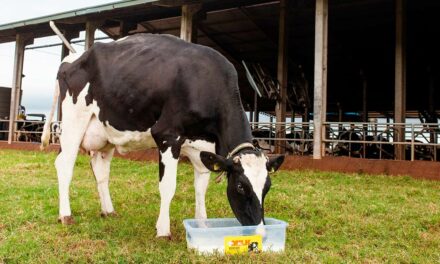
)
(27, 130)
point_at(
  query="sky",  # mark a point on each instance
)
(40, 65)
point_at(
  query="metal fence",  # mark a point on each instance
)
(362, 140)
(379, 140)
(298, 138)
(28, 130)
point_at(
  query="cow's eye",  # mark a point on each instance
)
(240, 188)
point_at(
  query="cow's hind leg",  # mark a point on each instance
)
(76, 118)
(100, 163)
(64, 163)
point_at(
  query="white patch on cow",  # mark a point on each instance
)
(95, 137)
(122, 39)
(255, 170)
(76, 118)
(101, 169)
(167, 188)
(72, 57)
(192, 150)
(126, 141)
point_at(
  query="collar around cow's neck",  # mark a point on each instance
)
(232, 153)
(240, 148)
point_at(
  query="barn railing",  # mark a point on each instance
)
(298, 139)
(363, 140)
(28, 130)
(378, 140)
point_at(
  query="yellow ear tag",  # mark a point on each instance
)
(272, 170)
(216, 167)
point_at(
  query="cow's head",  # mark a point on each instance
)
(248, 181)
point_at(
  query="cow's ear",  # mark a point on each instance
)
(214, 162)
(274, 163)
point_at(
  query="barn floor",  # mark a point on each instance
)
(416, 169)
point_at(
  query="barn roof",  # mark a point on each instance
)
(361, 42)
(74, 13)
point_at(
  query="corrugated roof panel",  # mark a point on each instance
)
(73, 13)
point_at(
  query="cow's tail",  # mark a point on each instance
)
(46, 131)
(61, 36)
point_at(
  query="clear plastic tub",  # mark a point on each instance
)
(208, 235)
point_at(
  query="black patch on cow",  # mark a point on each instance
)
(161, 168)
(242, 198)
(149, 80)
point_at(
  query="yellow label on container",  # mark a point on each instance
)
(243, 244)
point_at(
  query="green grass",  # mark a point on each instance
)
(332, 217)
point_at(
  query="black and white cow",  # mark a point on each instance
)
(148, 91)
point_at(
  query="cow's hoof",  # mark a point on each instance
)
(111, 214)
(66, 220)
(167, 237)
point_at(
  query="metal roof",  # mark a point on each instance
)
(361, 37)
(74, 13)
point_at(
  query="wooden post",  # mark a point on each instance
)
(400, 79)
(21, 41)
(364, 97)
(125, 27)
(255, 109)
(280, 108)
(188, 32)
(91, 27)
(320, 89)
(431, 109)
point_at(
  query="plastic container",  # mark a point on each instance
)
(227, 235)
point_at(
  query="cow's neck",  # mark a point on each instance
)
(235, 130)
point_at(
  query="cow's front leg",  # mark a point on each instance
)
(167, 187)
(201, 180)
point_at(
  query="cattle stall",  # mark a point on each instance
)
(353, 78)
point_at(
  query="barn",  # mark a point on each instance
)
(349, 88)
(319, 78)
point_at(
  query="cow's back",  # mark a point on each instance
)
(137, 80)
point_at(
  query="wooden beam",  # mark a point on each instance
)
(320, 88)
(174, 3)
(91, 27)
(125, 27)
(364, 96)
(280, 108)
(69, 35)
(187, 29)
(20, 44)
(400, 78)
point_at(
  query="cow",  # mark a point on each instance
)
(158, 91)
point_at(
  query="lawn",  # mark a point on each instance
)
(333, 217)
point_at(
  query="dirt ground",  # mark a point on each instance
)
(417, 169)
